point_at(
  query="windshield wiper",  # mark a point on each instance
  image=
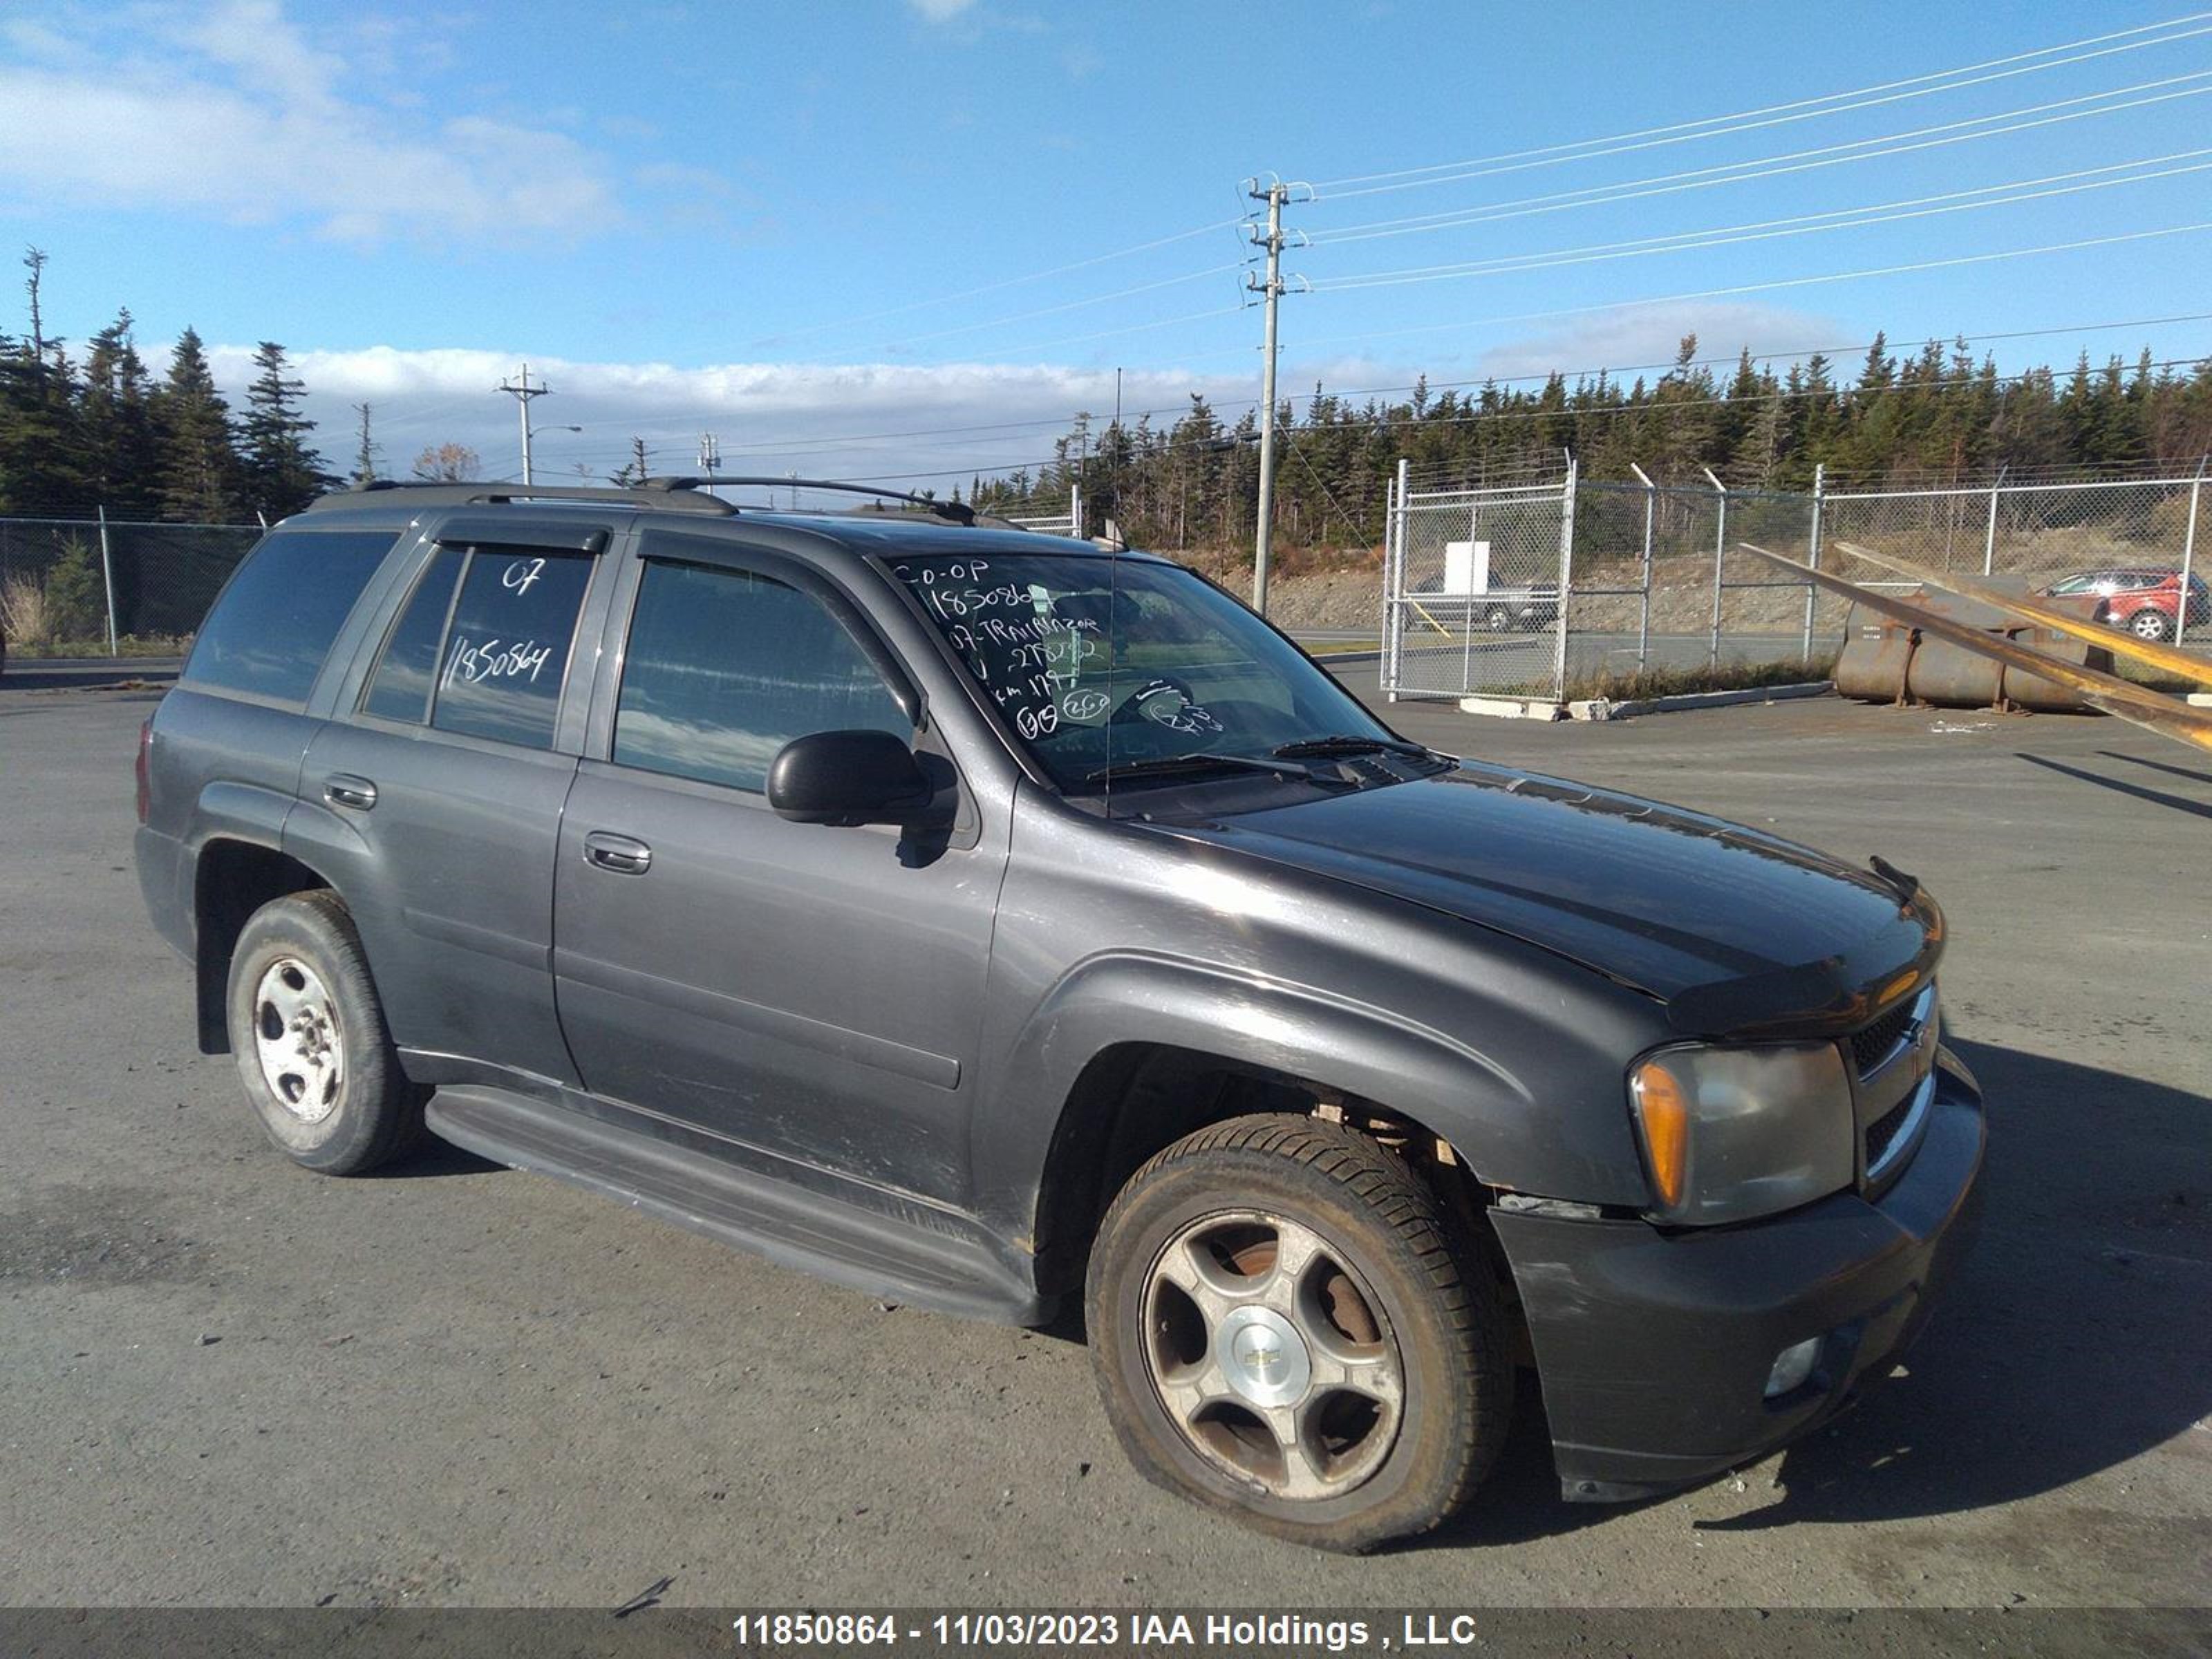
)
(1167, 765)
(1344, 743)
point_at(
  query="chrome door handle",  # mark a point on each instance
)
(619, 853)
(343, 789)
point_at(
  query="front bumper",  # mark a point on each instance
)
(1653, 1347)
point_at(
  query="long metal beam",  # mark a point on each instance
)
(2115, 640)
(2106, 692)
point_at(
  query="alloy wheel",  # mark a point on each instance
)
(1271, 1358)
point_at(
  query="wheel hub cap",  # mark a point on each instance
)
(1263, 1358)
(298, 1039)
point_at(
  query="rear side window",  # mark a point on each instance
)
(725, 667)
(275, 621)
(482, 644)
(401, 689)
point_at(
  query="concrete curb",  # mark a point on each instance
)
(1512, 708)
(1601, 708)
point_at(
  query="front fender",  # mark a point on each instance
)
(1479, 1102)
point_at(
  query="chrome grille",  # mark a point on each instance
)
(1894, 1060)
(1873, 1044)
(1883, 1132)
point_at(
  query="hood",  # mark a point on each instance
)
(1736, 931)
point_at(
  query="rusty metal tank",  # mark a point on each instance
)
(1885, 660)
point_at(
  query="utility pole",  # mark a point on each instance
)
(522, 393)
(1274, 194)
(710, 453)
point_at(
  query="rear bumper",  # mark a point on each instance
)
(1654, 1348)
(161, 875)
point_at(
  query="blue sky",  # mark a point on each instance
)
(834, 234)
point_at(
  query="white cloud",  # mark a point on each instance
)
(231, 111)
(876, 421)
(940, 11)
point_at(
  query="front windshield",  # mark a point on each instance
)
(1099, 663)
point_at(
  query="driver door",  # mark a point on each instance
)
(810, 991)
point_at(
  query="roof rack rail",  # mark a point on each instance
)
(674, 494)
(959, 513)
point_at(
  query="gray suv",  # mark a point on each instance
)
(992, 922)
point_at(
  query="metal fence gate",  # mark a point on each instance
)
(1069, 523)
(1472, 584)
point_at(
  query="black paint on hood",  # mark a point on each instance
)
(1736, 931)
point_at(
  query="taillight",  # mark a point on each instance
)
(145, 769)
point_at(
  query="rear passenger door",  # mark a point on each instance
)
(808, 991)
(434, 795)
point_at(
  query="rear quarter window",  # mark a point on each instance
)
(273, 622)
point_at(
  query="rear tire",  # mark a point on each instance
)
(2150, 624)
(1358, 1396)
(307, 1030)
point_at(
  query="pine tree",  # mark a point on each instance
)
(365, 450)
(633, 471)
(280, 474)
(115, 412)
(195, 468)
(41, 446)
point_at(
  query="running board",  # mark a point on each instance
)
(946, 1266)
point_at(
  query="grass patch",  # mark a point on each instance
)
(1636, 684)
(130, 645)
(2156, 679)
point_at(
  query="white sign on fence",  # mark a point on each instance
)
(1467, 569)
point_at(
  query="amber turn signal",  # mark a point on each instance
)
(1664, 1111)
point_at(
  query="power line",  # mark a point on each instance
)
(1077, 305)
(1777, 115)
(1785, 282)
(1699, 178)
(1668, 184)
(1770, 109)
(1768, 230)
(1107, 333)
(1003, 283)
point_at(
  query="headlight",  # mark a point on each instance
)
(1729, 1134)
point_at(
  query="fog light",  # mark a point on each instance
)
(1791, 1367)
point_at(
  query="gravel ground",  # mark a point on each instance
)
(224, 1380)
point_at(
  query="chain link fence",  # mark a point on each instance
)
(101, 588)
(1550, 588)
(1473, 581)
(1049, 523)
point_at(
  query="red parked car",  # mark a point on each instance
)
(2145, 599)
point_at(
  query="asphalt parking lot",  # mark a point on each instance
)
(224, 1380)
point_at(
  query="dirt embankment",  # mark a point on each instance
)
(1327, 591)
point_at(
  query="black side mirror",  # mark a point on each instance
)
(847, 778)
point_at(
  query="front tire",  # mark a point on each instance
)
(1287, 1329)
(307, 1030)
